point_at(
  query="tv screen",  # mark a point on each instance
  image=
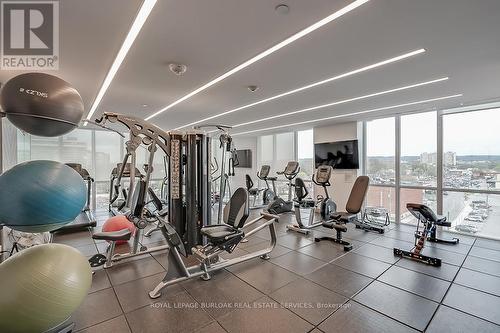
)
(244, 157)
(339, 155)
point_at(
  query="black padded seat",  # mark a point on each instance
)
(124, 234)
(253, 191)
(220, 232)
(343, 217)
(305, 203)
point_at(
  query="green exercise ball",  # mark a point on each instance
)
(41, 287)
(40, 196)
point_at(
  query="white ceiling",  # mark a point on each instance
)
(462, 39)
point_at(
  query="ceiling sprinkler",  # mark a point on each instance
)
(177, 69)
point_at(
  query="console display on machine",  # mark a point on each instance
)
(323, 173)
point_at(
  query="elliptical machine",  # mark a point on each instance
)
(280, 206)
(325, 204)
(268, 194)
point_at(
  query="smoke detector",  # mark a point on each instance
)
(253, 88)
(282, 9)
(177, 69)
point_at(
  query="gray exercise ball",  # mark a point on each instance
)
(42, 104)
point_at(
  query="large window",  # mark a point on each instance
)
(471, 171)
(305, 153)
(419, 149)
(448, 160)
(380, 151)
(278, 149)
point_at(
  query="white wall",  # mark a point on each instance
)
(239, 179)
(341, 180)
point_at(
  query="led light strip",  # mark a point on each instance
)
(342, 101)
(142, 16)
(312, 85)
(352, 114)
(267, 52)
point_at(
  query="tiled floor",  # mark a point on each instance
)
(304, 287)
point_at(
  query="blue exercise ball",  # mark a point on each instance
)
(41, 287)
(42, 104)
(40, 196)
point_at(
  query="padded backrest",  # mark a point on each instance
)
(421, 212)
(139, 199)
(300, 189)
(249, 182)
(237, 209)
(357, 195)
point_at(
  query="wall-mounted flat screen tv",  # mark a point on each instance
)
(339, 155)
(244, 158)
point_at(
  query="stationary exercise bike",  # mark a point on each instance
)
(279, 205)
(430, 221)
(325, 204)
(268, 194)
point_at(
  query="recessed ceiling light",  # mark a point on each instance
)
(282, 9)
(140, 19)
(144, 105)
(309, 86)
(317, 107)
(351, 114)
(353, 5)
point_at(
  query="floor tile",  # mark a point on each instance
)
(448, 257)
(115, 325)
(323, 251)
(100, 280)
(361, 264)
(391, 243)
(308, 300)
(401, 235)
(339, 280)
(226, 290)
(417, 283)
(482, 265)
(450, 320)
(354, 317)
(213, 327)
(294, 240)
(75, 239)
(134, 294)
(298, 263)
(403, 306)
(474, 302)
(97, 308)
(263, 275)
(464, 239)
(377, 252)
(488, 244)
(485, 253)
(445, 271)
(361, 235)
(264, 316)
(126, 271)
(277, 251)
(180, 314)
(480, 281)
(252, 241)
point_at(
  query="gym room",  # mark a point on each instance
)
(260, 166)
